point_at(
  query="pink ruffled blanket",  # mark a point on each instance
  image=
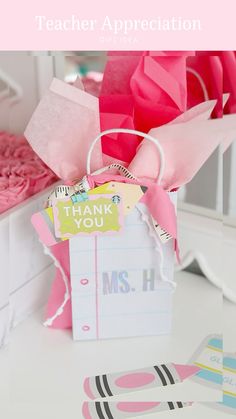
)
(22, 172)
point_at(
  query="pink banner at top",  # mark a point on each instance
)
(122, 25)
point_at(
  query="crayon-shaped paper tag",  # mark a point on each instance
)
(209, 358)
(228, 403)
(108, 385)
(229, 384)
(122, 410)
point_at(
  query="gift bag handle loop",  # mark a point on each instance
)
(134, 132)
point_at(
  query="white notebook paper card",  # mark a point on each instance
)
(116, 286)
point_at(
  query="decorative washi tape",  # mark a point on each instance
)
(66, 191)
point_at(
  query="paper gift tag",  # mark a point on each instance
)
(131, 193)
(229, 383)
(228, 403)
(209, 357)
(93, 214)
(43, 221)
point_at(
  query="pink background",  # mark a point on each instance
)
(18, 29)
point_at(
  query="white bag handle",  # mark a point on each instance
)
(129, 131)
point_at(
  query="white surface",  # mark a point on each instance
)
(229, 328)
(22, 69)
(33, 75)
(202, 236)
(202, 233)
(72, 411)
(26, 272)
(42, 370)
(231, 198)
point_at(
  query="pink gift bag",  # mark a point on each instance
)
(156, 233)
(122, 282)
